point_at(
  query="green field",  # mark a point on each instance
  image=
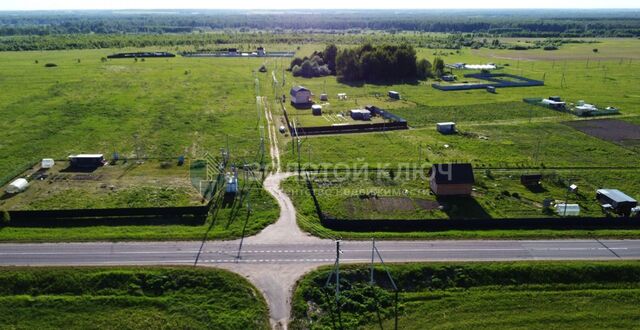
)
(503, 117)
(128, 298)
(118, 184)
(531, 295)
(496, 131)
(497, 194)
(164, 108)
(177, 106)
(229, 222)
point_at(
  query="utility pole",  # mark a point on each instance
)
(299, 143)
(374, 252)
(337, 270)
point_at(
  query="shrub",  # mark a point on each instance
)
(5, 219)
(50, 65)
(424, 69)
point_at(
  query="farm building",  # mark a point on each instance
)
(360, 114)
(451, 179)
(446, 128)
(324, 97)
(491, 89)
(616, 200)
(531, 180)
(261, 51)
(17, 186)
(86, 161)
(342, 96)
(394, 95)
(316, 110)
(300, 96)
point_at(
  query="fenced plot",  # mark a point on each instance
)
(500, 80)
(617, 131)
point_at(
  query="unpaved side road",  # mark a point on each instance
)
(277, 281)
(274, 151)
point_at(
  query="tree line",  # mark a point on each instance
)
(498, 23)
(373, 63)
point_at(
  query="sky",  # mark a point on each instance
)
(298, 4)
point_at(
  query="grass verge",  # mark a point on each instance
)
(567, 295)
(128, 298)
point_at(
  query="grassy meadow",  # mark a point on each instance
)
(193, 106)
(608, 79)
(162, 107)
(128, 298)
(532, 295)
(176, 106)
(496, 131)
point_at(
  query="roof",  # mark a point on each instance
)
(616, 195)
(449, 123)
(393, 92)
(360, 111)
(87, 156)
(452, 173)
(296, 89)
(549, 101)
(316, 106)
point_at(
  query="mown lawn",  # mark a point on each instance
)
(531, 295)
(128, 298)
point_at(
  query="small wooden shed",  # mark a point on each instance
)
(446, 127)
(451, 179)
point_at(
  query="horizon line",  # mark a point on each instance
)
(326, 9)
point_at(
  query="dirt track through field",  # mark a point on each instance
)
(274, 151)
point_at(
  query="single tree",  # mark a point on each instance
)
(423, 68)
(438, 67)
(329, 55)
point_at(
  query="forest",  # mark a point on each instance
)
(514, 23)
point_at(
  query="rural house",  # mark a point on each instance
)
(451, 179)
(360, 114)
(300, 96)
(616, 200)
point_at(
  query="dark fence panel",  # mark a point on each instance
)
(357, 128)
(190, 215)
(479, 224)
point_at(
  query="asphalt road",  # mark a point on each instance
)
(322, 252)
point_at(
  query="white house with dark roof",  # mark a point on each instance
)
(300, 96)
